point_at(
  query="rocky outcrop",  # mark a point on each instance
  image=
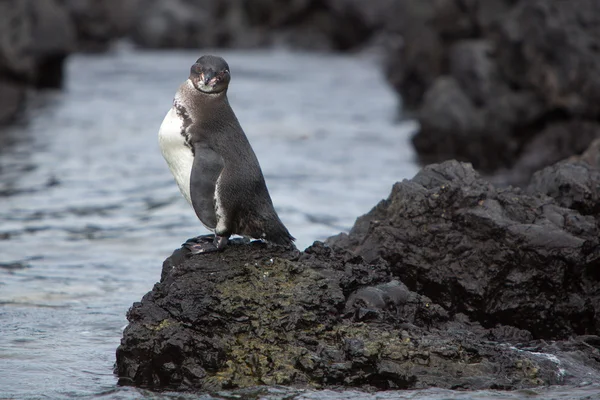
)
(449, 282)
(317, 25)
(508, 85)
(99, 23)
(573, 183)
(500, 256)
(35, 38)
(261, 316)
(12, 98)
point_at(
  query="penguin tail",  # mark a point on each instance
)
(277, 233)
(274, 231)
(266, 226)
(284, 239)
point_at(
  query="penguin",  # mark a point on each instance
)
(213, 163)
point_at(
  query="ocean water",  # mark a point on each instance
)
(89, 210)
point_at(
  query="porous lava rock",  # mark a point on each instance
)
(257, 315)
(499, 256)
(450, 282)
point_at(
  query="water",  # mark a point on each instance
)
(89, 210)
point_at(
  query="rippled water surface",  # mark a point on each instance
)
(89, 210)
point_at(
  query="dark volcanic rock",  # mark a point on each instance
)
(15, 60)
(320, 25)
(573, 183)
(553, 48)
(98, 23)
(179, 23)
(256, 315)
(54, 38)
(449, 282)
(498, 256)
(35, 38)
(34, 34)
(432, 31)
(12, 97)
(554, 143)
(524, 77)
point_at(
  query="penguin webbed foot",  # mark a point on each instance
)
(206, 244)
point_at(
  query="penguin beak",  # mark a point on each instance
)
(212, 78)
(207, 77)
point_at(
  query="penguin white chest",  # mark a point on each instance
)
(179, 157)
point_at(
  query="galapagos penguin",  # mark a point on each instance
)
(213, 163)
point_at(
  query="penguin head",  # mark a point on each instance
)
(210, 74)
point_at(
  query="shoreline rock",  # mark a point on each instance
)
(260, 316)
(508, 85)
(332, 25)
(37, 36)
(499, 256)
(449, 282)
(98, 24)
(35, 39)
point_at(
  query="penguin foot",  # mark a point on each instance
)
(206, 244)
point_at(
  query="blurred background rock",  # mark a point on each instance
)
(509, 85)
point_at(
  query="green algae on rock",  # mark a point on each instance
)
(262, 315)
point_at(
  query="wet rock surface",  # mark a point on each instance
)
(449, 282)
(498, 83)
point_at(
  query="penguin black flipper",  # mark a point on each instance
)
(206, 170)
